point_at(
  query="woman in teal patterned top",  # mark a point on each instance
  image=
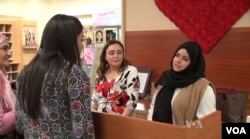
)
(53, 98)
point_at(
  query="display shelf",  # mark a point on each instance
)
(7, 28)
(12, 71)
(29, 45)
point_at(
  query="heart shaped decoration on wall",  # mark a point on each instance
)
(204, 21)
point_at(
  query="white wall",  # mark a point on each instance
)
(42, 10)
(139, 14)
(78, 7)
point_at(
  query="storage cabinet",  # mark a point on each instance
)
(13, 28)
(9, 28)
(12, 71)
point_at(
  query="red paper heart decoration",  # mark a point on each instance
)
(204, 21)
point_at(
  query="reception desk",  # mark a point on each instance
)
(109, 126)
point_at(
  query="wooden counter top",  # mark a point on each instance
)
(141, 110)
(143, 104)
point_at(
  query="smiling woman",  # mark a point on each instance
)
(7, 96)
(116, 83)
(183, 93)
(5, 51)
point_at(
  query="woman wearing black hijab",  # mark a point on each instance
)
(183, 94)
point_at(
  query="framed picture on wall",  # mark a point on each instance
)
(111, 34)
(88, 35)
(99, 36)
(144, 77)
(29, 36)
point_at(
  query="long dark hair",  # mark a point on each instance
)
(58, 45)
(101, 70)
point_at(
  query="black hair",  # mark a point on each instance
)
(58, 45)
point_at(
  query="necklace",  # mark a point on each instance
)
(112, 75)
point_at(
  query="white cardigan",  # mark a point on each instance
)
(207, 104)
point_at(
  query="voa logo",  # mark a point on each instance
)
(236, 130)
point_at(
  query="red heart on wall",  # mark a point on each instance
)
(204, 21)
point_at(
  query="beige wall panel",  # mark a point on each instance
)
(144, 15)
